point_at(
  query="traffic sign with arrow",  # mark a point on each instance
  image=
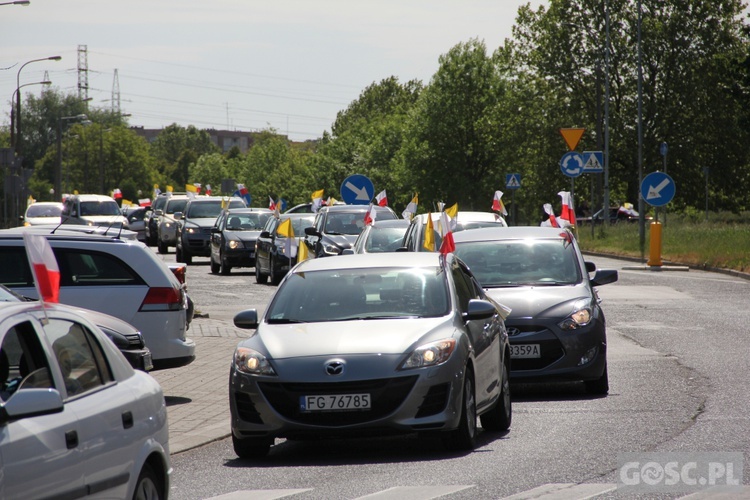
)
(357, 190)
(657, 189)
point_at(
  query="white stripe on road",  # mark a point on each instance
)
(258, 494)
(416, 492)
(564, 491)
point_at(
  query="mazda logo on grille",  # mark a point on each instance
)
(335, 367)
(512, 332)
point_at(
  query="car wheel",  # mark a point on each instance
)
(225, 268)
(251, 447)
(600, 386)
(178, 254)
(498, 419)
(275, 275)
(187, 258)
(148, 486)
(260, 278)
(214, 266)
(464, 437)
(162, 247)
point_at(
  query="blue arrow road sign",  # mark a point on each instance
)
(593, 162)
(657, 189)
(571, 164)
(512, 181)
(357, 190)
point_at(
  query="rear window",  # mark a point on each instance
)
(175, 206)
(89, 208)
(44, 211)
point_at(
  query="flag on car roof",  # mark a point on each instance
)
(370, 215)
(317, 200)
(497, 203)
(43, 266)
(411, 208)
(157, 191)
(568, 212)
(208, 189)
(243, 193)
(144, 202)
(382, 199)
(191, 190)
(117, 194)
(429, 235)
(271, 204)
(447, 245)
(552, 221)
(169, 188)
(290, 245)
(302, 253)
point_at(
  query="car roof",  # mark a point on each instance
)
(57, 231)
(462, 216)
(511, 233)
(207, 199)
(354, 208)
(359, 261)
(391, 223)
(92, 197)
(247, 210)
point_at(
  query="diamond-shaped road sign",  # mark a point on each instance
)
(593, 162)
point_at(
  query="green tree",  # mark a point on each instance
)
(176, 148)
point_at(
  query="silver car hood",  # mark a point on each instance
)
(534, 301)
(387, 336)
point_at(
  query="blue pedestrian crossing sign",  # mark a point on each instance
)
(593, 162)
(512, 181)
(571, 164)
(657, 189)
(357, 190)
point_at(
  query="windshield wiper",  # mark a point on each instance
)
(283, 321)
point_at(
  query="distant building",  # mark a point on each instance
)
(224, 139)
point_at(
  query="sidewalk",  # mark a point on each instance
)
(197, 394)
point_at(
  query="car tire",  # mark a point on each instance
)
(187, 258)
(498, 419)
(148, 486)
(260, 278)
(162, 247)
(178, 254)
(225, 268)
(275, 275)
(251, 447)
(215, 268)
(464, 437)
(600, 386)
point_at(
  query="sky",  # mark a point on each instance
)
(247, 65)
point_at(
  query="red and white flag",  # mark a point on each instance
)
(552, 221)
(382, 199)
(447, 245)
(117, 194)
(43, 266)
(370, 215)
(208, 189)
(271, 204)
(497, 203)
(568, 212)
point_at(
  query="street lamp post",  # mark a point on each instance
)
(641, 205)
(58, 166)
(12, 108)
(18, 99)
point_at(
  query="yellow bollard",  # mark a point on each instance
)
(654, 256)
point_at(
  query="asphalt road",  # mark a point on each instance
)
(678, 344)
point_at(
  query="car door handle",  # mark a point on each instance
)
(127, 420)
(71, 439)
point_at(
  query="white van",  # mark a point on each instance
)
(93, 210)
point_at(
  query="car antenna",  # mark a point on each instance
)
(62, 221)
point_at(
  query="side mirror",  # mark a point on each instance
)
(311, 231)
(347, 251)
(177, 215)
(31, 402)
(479, 309)
(604, 276)
(590, 267)
(247, 319)
(158, 212)
(264, 234)
(215, 230)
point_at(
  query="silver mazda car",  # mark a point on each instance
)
(391, 343)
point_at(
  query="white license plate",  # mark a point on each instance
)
(335, 402)
(525, 351)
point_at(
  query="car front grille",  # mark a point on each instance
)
(246, 408)
(386, 396)
(550, 350)
(434, 401)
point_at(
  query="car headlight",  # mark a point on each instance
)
(250, 361)
(581, 316)
(191, 230)
(331, 249)
(431, 354)
(233, 244)
(167, 225)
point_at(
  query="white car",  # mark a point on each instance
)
(93, 210)
(414, 237)
(117, 276)
(43, 212)
(75, 419)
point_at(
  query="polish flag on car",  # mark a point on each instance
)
(497, 203)
(447, 245)
(43, 266)
(117, 194)
(271, 204)
(382, 199)
(552, 221)
(568, 212)
(370, 215)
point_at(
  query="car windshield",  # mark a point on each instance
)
(300, 223)
(460, 226)
(44, 211)
(99, 208)
(384, 239)
(345, 223)
(253, 221)
(521, 262)
(352, 294)
(176, 206)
